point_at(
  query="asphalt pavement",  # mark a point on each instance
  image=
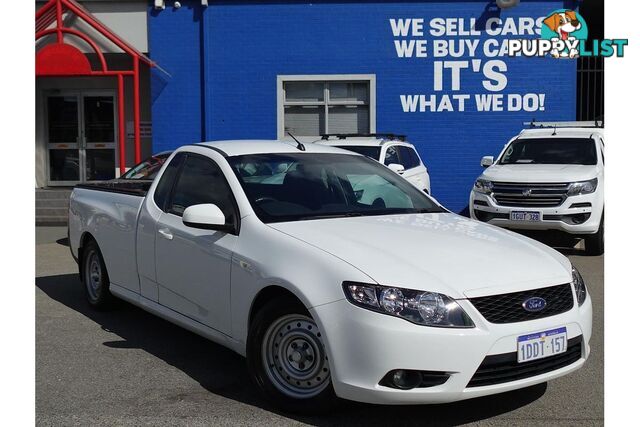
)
(128, 367)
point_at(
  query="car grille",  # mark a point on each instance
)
(530, 195)
(508, 308)
(503, 368)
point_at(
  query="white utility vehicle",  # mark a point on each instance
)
(389, 149)
(267, 249)
(549, 177)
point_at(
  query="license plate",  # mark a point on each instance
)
(525, 216)
(542, 344)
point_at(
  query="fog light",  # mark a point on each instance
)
(406, 380)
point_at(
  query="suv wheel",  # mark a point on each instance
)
(287, 359)
(594, 244)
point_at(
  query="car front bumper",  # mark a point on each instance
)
(573, 216)
(363, 346)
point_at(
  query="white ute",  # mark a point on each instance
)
(266, 248)
(388, 149)
(550, 177)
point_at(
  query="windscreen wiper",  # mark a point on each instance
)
(328, 216)
(429, 210)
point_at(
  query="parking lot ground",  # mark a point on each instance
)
(127, 367)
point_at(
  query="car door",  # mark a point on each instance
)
(193, 266)
(414, 170)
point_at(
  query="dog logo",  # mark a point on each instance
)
(568, 27)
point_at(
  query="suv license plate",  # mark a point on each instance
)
(525, 216)
(542, 344)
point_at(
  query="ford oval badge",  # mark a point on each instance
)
(534, 304)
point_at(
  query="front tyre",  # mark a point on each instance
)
(594, 244)
(287, 359)
(95, 277)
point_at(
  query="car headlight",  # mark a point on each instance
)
(422, 308)
(582, 187)
(579, 286)
(483, 186)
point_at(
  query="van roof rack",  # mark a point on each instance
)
(582, 124)
(394, 136)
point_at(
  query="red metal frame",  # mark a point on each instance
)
(63, 60)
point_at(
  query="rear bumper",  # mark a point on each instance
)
(364, 346)
(576, 215)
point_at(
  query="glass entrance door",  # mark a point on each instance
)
(81, 138)
(99, 137)
(63, 114)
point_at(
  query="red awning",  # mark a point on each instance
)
(55, 11)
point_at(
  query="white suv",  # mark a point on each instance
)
(391, 150)
(546, 178)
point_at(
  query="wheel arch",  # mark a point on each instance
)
(267, 294)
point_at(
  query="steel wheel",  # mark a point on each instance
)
(294, 357)
(93, 275)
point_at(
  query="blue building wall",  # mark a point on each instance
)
(224, 61)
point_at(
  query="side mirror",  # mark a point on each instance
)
(206, 216)
(486, 161)
(399, 169)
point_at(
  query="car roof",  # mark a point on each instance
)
(561, 133)
(263, 146)
(163, 153)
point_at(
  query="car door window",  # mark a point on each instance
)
(201, 181)
(148, 169)
(163, 190)
(415, 159)
(391, 156)
(408, 157)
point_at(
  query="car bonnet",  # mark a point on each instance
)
(439, 252)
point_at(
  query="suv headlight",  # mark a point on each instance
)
(579, 286)
(582, 187)
(422, 308)
(483, 186)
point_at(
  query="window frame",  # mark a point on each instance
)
(179, 158)
(326, 79)
(234, 227)
(601, 146)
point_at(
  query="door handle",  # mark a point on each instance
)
(164, 232)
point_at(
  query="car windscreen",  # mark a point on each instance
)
(147, 169)
(560, 151)
(365, 150)
(302, 186)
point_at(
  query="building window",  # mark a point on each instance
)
(316, 105)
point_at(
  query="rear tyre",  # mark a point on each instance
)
(594, 244)
(95, 277)
(287, 359)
